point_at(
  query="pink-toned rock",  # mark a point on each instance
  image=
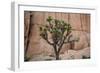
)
(76, 54)
(84, 39)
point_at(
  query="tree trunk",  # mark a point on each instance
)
(57, 56)
(56, 52)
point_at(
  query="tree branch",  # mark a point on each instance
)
(68, 39)
(48, 39)
(63, 41)
(49, 42)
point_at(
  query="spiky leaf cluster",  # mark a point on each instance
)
(57, 28)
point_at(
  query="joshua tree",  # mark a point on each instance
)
(60, 34)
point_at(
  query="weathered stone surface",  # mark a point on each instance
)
(75, 21)
(85, 21)
(84, 39)
(26, 27)
(73, 54)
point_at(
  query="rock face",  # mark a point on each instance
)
(37, 46)
(73, 54)
(84, 39)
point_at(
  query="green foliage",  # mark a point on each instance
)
(40, 28)
(49, 19)
(57, 28)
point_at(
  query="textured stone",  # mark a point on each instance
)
(73, 54)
